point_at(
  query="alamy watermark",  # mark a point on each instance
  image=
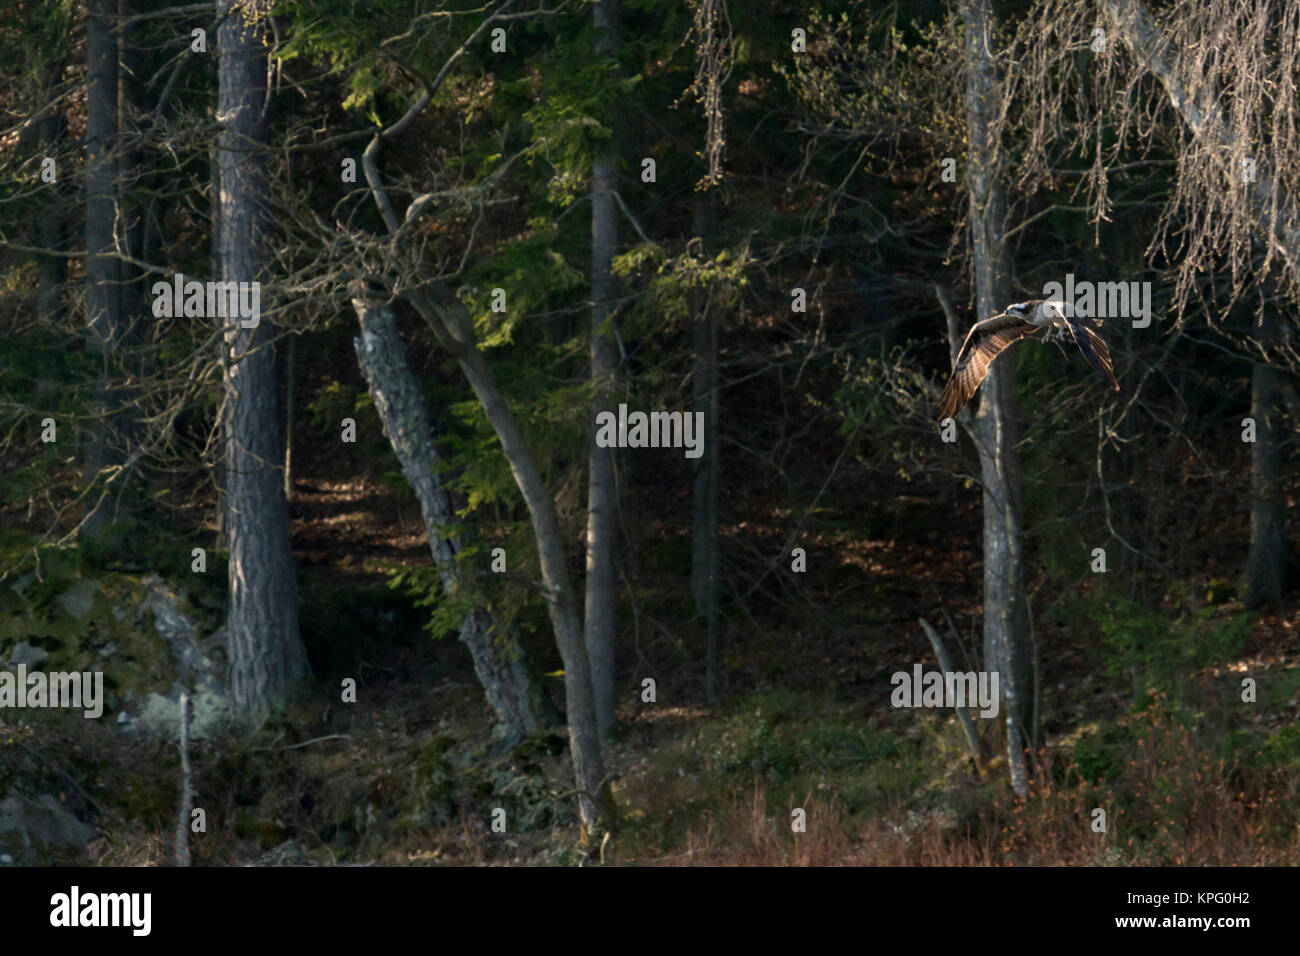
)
(1103, 300)
(208, 300)
(130, 910)
(76, 689)
(653, 430)
(947, 689)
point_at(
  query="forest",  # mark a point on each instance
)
(599, 433)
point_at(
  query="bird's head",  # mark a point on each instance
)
(1025, 310)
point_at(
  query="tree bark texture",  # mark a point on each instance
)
(1006, 612)
(267, 657)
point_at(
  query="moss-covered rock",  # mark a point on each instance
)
(148, 636)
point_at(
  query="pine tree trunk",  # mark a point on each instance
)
(222, 541)
(290, 398)
(267, 657)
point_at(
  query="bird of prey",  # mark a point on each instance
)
(988, 338)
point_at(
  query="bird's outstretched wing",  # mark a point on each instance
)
(984, 342)
(1092, 345)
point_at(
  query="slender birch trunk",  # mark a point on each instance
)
(1006, 612)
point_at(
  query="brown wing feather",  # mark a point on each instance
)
(1093, 346)
(984, 342)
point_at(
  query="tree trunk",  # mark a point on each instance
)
(602, 492)
(705, 552)
(1266, 563)
(452, 326)
(290, 398)
(103, 316)
(1006, 613)
(51, 131)
(132, 166)
(222, 542)
(267, 657)
(500, 661)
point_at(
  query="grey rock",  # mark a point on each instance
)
(30, 829)
(175, 628)
(29, 654)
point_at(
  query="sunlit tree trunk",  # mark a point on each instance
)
(1006, 617)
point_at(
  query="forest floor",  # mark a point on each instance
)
(1183, 770)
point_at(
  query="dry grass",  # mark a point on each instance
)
(1170, 804)
(1169, 800)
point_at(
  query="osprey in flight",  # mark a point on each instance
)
(988, 338)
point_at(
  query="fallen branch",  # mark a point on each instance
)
(976, 745)
(314, 740)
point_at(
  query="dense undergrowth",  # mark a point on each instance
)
(407, 778)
